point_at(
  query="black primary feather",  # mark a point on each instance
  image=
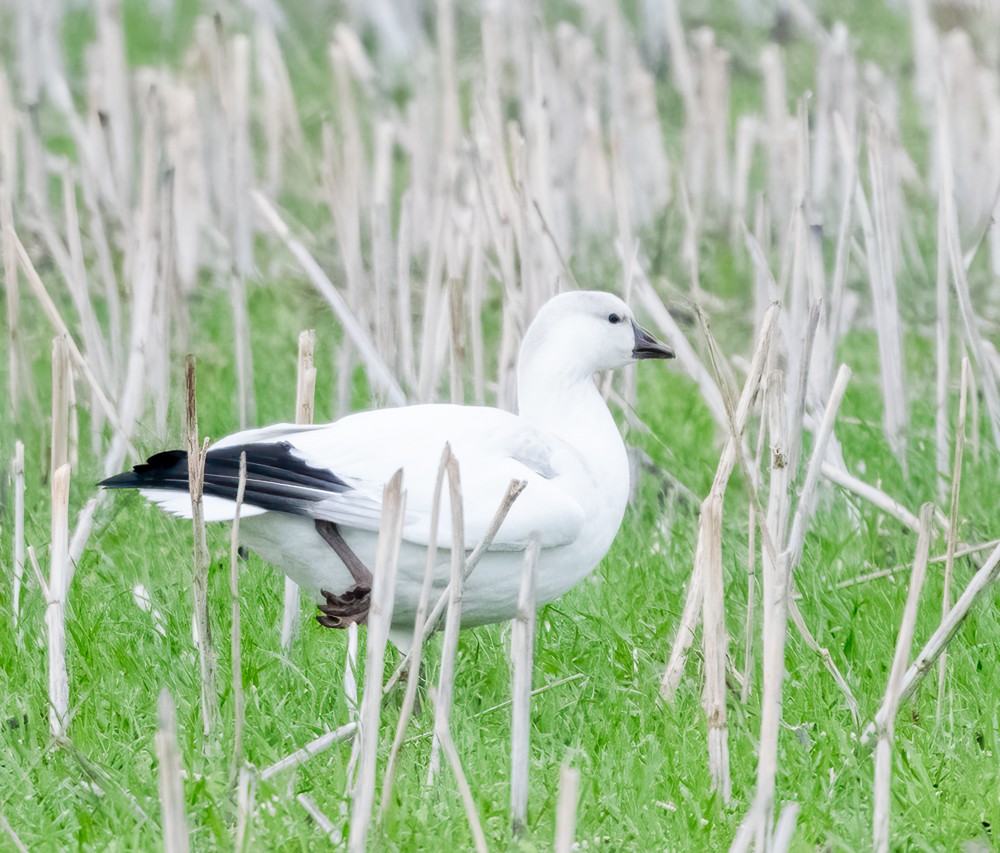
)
(277, 480)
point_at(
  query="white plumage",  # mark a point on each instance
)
(563, 442)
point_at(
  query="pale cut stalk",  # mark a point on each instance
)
(457, 363)
(246, 796)
(872, 495)
(507, 703)
(175, 830)
(236, 647)
(522, 652)
(890, 704)
(15, 839)
(404, 297)
(686, 355)
(727, 461)
(781, 841)
(73, 425)
(569, 796)
(956, 488)
(883, 286)
(9, 167)
(940, 558)
(322, 821)
(241, 236)
(416, 649)
(849, 164)
(75, 275)
(314, 747)
(60, 405)
(970, 323)
(801, 389)
(116, 84)
(513, 490)
(709, 556)
(748, 659)
(948, 628)
(353, 709)
(305, 407)
(55, 612)
(453, 620)
(55, 318)
(377, 368)
(796, 538)
(942, 321)
(379, 620)
(774, 596)
(142, 269)
(468, 802)
(196, 454)
(18, 532)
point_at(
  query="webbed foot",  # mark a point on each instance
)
(350, 607)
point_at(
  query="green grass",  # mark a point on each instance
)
(644, 776)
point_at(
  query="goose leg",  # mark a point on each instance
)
(351, 606)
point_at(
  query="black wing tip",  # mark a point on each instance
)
(146, 473)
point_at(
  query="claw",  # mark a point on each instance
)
(350, 607)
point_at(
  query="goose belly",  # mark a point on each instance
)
(292, 544)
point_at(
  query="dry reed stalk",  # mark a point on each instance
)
(142, 268)
(305, 407)
(943, 318)
(781, 841)
(890, 704)
(748, 659)
(451, 754)
(75, 274)
(404, 310)
(175, 831)
(513, 490)
(353, 708)
(939, 640)
(196, 453)
(453, 620)
(314, 747)
(416, 649)
(974, 339)
(379, 620)
(824, 433)
(775, 576)
(56, 594)
(241, 234)
(727, 461)
(60, 405)
(872, 495)
(940, 558)
(569, 796)
(879, 251)
(522, 652)
(458, 346)
(322, 821)
(709, 557)
(117, 107)
(246, 796)
(377, 369)
(239, 705)
(686, 355)
(18, 473)
(12, 835)
(956, 488)
(9, 168)
(281, 124)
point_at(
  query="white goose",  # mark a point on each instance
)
(313, 495)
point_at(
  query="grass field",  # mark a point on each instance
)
(645, 783)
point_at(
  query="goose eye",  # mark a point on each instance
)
(614, 318)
